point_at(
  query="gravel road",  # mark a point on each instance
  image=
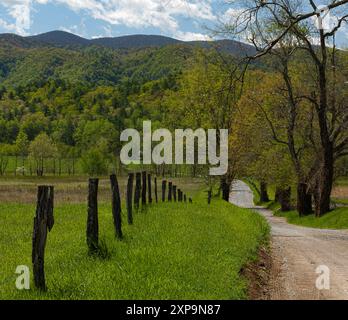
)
(297, 254)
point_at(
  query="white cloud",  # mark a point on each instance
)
(144, 13)
(191, 36)
(161, 14)
(19, 11)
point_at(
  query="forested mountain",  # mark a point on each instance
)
(82, 96)
(66, 39)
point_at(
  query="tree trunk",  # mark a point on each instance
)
(324, 187)
(225, 187)
(304, 200)
(263, 192)
(285, 199)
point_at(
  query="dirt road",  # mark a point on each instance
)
(297, 253)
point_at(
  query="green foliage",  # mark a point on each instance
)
(5, 151)
(40, 149)
(22, 144)
(94, 163)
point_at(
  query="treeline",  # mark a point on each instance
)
(47, 113)
(272, 110)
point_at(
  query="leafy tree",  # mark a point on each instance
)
(34, 124)
(22, 146)
(5, 152)
(40, 149)
(94, 162)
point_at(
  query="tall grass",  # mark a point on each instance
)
(173, 251)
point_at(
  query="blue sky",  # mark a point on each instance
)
(181, 19)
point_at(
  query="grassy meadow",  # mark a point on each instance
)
(336, 219)
(173, 250)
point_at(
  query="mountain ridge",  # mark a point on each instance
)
(66, 39)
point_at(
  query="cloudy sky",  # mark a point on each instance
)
(181, 19)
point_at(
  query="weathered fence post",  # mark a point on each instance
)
(156, 190)
(130, 198)
(143, 195)
(185, 198)
(209, 195)
(92, 219)
(179, 195)
(116, 206)
(43, 221)
(149, 187)
(164, 186)
(174, 193)
(170, 192)
(137, 191)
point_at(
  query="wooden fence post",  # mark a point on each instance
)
(130, 198)
(156, 190)
(43, 221)
(179, 195)
(149, 187)
(185, 198)
(92, 219)
(143, 195)
(170, 192)
(116, 206)
(174, 193)
(137, 191)
(164, 186)
(209, 195)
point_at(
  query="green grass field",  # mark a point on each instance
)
(173, 251)
(337, 219)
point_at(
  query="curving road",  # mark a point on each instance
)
(297, 253)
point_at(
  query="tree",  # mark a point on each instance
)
(94, 163)
(34, 124)
(90, 133)
(207, 98)
(292, 18)
(5, 152)
(22, 146)
(39, 150)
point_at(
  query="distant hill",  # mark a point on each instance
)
(59, 38)
(66, 39)
(134, 41)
